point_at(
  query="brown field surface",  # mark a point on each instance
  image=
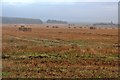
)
(62, 52)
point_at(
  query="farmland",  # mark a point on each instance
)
(63, 52)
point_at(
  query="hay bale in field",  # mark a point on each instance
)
(70, 24)
(47, 26)
(85, 27)
(74, 27)
(23, 28)
(80, 27)
(113, 28)
(59, 33)
(92, 27)
(56, 27)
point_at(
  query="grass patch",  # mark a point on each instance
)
(6, 73)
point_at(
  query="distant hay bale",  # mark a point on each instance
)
(113, 28)
(56, 27)
(70, 24)
(23, 28)
(92, 27)
(74, 27)
(60, 33)
(47, 26)
(69, 27)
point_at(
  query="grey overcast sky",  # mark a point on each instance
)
(72, 11)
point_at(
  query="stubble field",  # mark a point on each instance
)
(63, 52)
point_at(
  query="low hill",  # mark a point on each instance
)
(12, 20)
